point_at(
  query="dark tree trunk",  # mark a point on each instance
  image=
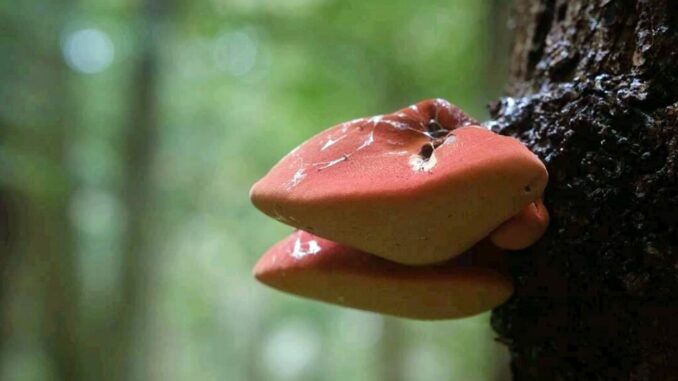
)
(138, 259)
(38, 263)
(594, 92)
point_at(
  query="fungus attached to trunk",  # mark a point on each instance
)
(419, 186)
(313, 267)
(414, 209)
(523, 229)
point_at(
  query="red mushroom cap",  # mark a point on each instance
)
(418, 186)
(313, 267)
(523, 229)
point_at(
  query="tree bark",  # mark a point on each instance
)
(594, 92)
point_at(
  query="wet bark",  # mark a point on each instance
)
(594, 92)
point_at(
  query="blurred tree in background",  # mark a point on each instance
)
(130, 133)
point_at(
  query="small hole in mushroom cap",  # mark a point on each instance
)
(528, 189)
(426, 151)
(435, 130)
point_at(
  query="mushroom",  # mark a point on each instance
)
(523, 229)
(418, 186)
(313, 267)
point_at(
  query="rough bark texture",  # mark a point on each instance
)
(594, 92)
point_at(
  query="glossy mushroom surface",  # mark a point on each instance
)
(419, 186)
(523, 229)
(309, 266)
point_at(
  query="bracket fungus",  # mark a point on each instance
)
(523, 229)
(404, 214)
(419, 186)
(313, 267)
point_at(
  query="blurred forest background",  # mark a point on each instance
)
(130, 133)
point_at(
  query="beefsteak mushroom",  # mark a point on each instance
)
(313, 267)
(418, 186)
(406, 214)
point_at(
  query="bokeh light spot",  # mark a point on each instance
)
(235, 52)
(88, 51)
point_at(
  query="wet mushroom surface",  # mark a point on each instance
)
(309, 266)
(418, 186)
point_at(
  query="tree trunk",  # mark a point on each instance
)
(38, 263)
(127, 360)
(594, 92)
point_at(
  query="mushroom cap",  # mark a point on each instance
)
(418, 186)
(313, 267)
(523, 229)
